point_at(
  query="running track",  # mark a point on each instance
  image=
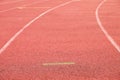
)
(60, 40)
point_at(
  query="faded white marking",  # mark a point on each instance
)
(10, 2)
(22, 6)
(32, 7)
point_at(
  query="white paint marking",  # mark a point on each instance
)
(27, 25)
(22, 5)
(58, 63)
(11, 2)
(111, 40)
(35, 3)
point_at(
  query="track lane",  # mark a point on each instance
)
(28, 24)
(21, 16)
(63, 36)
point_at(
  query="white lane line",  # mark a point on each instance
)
(22, 5)
(28, 24)
(111, 40)
(10, 2)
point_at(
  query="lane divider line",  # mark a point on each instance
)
(22, 6)
(110, 39)
(58, 63)
(29, 23)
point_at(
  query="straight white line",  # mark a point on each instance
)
(22, 5)
(35, 3)
(111, 40)
(58, 63)
(10, 2)
(28, 24)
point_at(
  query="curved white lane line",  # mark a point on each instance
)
(22, 5)
(28, 24)
(111, 40)
(10, 2)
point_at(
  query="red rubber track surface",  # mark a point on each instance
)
(67, 34)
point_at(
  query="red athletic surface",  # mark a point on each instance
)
(66, 34)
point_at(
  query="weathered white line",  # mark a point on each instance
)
(111, 40)
(28, 24)
(10, 2)
(22, 6)
(8, 10)
(32, 7)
